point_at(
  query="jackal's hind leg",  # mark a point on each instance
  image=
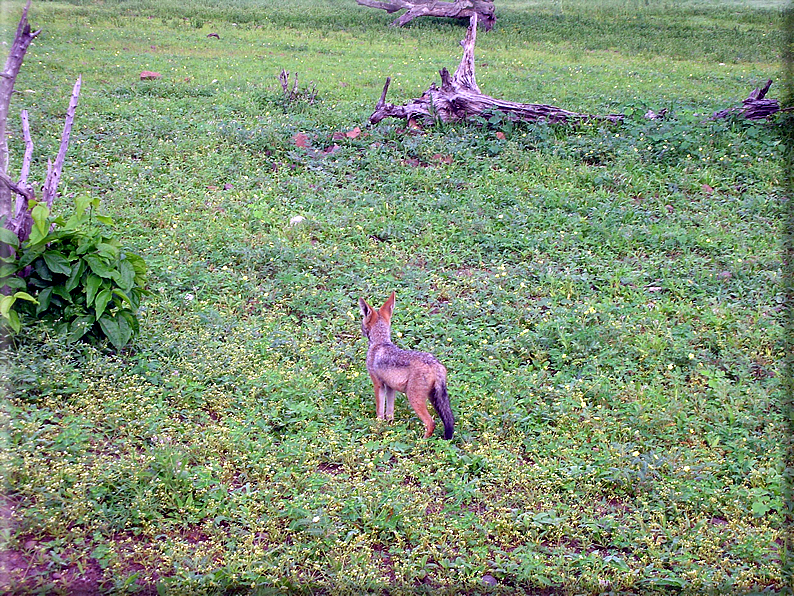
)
(418, 402)
(380, 397)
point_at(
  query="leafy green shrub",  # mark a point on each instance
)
(79, 279)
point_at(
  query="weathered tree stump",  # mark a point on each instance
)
(459, 98)
(457, 9)
(755, 107)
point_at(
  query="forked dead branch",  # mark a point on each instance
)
(293, 93)
(457, 9)
(459, 98)
(15, 197)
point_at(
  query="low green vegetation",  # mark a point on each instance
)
(606, 298)
(81, 281)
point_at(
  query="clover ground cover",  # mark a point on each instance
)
(605, 298)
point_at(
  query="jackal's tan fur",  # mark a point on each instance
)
(417, 374)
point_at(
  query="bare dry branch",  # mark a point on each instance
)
(28, 157)
(22, 221)
(283, 78)
(464, 74)
(457, 9)
(15, 187)
(54, 174)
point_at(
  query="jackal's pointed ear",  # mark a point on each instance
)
(365, 308)
(388, 308)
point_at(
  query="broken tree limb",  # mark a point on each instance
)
(755, 107)
(28, 157)
(459, 98)
(309, 94)
(20, 224)
(457, 9)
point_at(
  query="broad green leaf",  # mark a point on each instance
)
(13, 320)
(123, 296)
(125, 331)
(74, 277)
(81, 203)
(57, 263)
(59, 290)
(44, 300)
(40, 214)
(134, 298)
(25, 296)
(8, 237)
(15, 283)
(36, 237)
(6, 302)
(6, 270)
(99, 266)
(107, 250)
(92, 285)
(137, 263)
(131, 319)
(105, 220)
(126, 275)
(111, 330)
(29, 255)
(41, 270)
(101, 302)
(75, 221)
(88, 243)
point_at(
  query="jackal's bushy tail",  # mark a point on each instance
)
(440, 400)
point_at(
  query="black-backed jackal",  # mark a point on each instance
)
(417, 374)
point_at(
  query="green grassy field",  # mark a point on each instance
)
(607, 301)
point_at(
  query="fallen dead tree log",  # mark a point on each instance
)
(457, 9)
(459, 98)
